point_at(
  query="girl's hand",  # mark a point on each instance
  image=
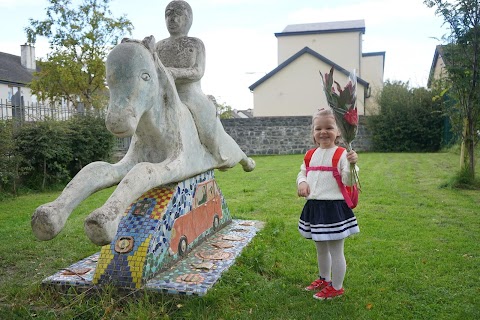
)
(303, 189)
(352, 157)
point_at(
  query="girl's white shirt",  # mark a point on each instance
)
(323, 185)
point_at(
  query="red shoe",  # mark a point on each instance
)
(328, 293)
(318, 284)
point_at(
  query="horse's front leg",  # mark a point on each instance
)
(49, 219)
(101, 225)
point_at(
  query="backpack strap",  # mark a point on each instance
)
(336, 156)
(334, 169)
(308, 157)
(336, 174)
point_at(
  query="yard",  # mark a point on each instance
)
(417, 255)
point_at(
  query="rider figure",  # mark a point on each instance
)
(184, 57)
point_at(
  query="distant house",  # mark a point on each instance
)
(294, 87)
(15, 73)
(242, 113)
(16, 98)
(437, 70)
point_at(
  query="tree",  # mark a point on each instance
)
(461, 55)
(224, 111)
(80, 39)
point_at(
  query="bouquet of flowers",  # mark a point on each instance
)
(344, 105)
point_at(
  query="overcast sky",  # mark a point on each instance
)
(239, 34)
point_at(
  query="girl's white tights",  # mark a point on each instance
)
(331, 261)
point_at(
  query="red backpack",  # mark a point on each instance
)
(350, 193)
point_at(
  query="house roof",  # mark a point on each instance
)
(323, 27)
(438, 53)
(242, 113)
(372, 54)
(12, 71)
(305, 50)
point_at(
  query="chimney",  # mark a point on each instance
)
(28, 57)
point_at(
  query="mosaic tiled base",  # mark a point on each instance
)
(159, 227)
(193, 275)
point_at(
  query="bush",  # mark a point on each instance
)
(45, 154)
(9, 160)
(409, 120)
(89, 140)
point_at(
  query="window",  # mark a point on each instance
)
(11, 92)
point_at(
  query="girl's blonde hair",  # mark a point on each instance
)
(324, 112)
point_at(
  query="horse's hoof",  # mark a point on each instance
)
(47, 222)
(100, 227)
(248, 165)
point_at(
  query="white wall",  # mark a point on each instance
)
(372, 67)
(297, 90)
(342, 48)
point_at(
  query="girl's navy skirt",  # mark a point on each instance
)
(323, 220)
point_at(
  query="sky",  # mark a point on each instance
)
(239, 35)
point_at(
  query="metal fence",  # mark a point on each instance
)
(34, 111)
(31, 112)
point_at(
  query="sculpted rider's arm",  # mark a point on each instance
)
(194, 73)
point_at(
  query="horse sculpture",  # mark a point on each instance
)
(165, 146)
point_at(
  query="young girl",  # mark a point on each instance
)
(326, 218)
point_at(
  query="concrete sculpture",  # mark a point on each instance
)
(172, 140)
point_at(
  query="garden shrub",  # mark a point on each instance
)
(89, 141)
(408, 121)
(46, 152)
(49, 153)
(9, 159)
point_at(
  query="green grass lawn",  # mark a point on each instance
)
(417, 255)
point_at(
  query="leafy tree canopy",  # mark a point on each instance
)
(80, 39)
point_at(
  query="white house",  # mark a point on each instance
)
(16, 98)
(15, 73)
(294, 87)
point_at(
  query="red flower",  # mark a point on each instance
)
(351, 117)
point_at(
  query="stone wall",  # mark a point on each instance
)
(281, 135)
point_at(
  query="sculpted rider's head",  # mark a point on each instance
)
(178, 17)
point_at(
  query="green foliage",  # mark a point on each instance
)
(409, 120)
(41, 155)
(80, 39)
(89, 141)
(462, 179)
(224, 111)
(9, 159)
(46, 151)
